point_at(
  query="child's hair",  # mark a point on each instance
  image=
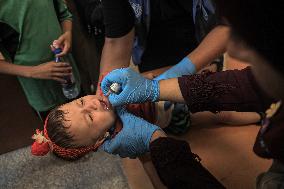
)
(57, 139)
(57, 129)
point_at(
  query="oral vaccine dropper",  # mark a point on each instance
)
(114, 88)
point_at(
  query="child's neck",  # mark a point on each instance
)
(116, 128)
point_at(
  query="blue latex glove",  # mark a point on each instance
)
(134, 87)
(134, 138)
(184, 67)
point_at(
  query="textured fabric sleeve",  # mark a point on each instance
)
(233, 90)
(62, 11)
(119, 18)
(178, 167)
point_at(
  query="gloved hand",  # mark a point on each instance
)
(184, 67)
(134, 138)
(134, 87)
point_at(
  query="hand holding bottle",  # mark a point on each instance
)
(51, 70)
(69, 87)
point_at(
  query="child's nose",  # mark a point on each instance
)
(91, 105)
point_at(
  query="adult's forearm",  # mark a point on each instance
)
(211, 47)
(116, 52)
(13, 69)
(232, 90)
(170, 90)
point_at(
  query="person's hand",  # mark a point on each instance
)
(134, 87)
(134, 138)
(51, 70)
(63, 42)
(184, 67)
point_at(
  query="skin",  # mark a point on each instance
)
(117, 51)
(89, 119)
(268, 78)
(48, 70)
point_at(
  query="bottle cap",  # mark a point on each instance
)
(57, 51)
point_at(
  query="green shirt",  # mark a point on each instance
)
(38, 24)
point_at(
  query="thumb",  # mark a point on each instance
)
(105, 84)
(114, 99)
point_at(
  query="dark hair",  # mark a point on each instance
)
(57, 129)
(259, 24)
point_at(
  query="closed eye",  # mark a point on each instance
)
(91, 117)
(82, 101)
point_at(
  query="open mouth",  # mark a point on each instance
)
(105, 104)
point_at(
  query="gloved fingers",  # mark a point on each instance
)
(110, 146)
(124, 97)
(116, 99)
(120, 110)
(160, 77)
(105, 84)
(113, 146)
(115, 76)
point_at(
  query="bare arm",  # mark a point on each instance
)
(116, 54)
(232, 90)
(49, 70)
(174, 94)
(211, 47)
(12, 69)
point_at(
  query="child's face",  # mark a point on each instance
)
(89, 118)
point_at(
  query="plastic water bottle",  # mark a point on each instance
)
(69, 88)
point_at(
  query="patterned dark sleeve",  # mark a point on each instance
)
(178, 167)
(233, 90)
